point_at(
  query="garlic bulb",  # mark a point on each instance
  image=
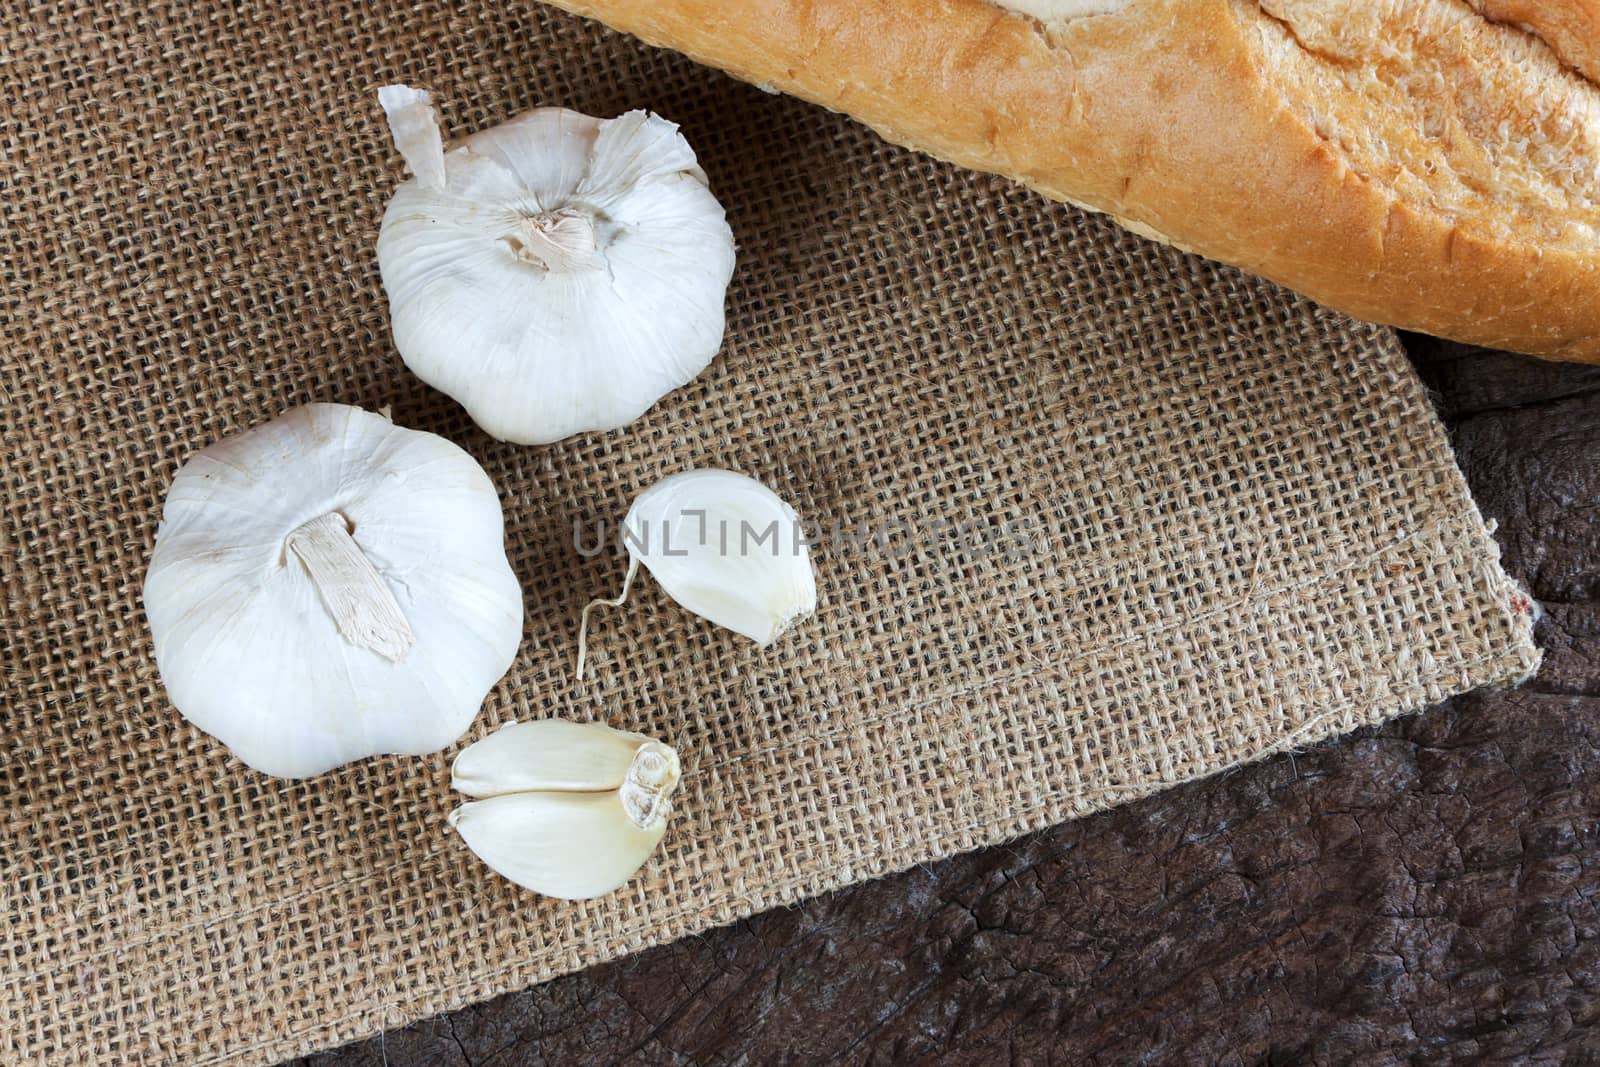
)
(330, 586)
(570, 809)
(554, 274)
(722, 545)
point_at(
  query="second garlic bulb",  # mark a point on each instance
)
(554, 274)
(329, 586)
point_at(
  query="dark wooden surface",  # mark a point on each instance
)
(1426, 891)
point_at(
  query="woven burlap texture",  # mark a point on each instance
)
(1130, 518)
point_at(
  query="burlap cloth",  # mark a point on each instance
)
(1193, 520)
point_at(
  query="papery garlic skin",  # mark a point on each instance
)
(566, 273)
(570, 810)
(269, 632)
(414, 124)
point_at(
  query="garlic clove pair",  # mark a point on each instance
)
(723, 546)
(554, 274)
(329, 586)
(570, 810)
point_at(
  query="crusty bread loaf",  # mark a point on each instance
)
(1434, 164)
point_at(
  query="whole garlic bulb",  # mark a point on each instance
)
(554, 274)
(330, 586)
(568, 809)
(722, 545)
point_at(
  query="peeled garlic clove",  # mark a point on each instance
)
(330, 586)
(554, 274)
(572, 809)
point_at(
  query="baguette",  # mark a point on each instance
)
(1432, 164)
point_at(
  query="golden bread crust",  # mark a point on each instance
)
(1444, 183)
(1570, 27)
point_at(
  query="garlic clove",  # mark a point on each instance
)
(569, 272)
(569, 845)
(546, 754)
(727, 548)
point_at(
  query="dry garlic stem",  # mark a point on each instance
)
(554, 274)
(414, 124)
(722, 545)
(562, 241)
(569, 809)
(351, 588)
